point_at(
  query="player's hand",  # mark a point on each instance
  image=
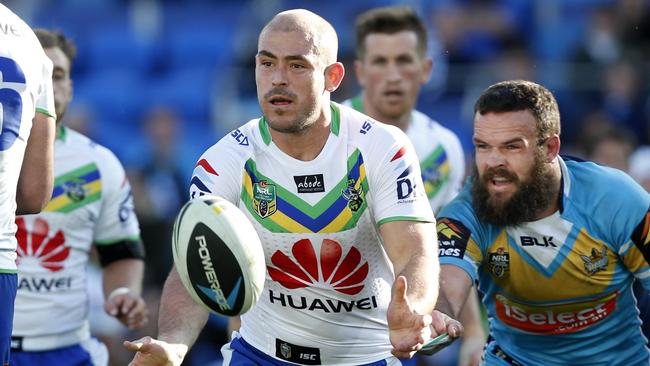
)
(129, 309)
(471, 351)
(443, 323)
(152, 352)
(408, 330)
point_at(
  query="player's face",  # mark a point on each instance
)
(61, 82)
(392, 72)
(290, 81)
(512, 182)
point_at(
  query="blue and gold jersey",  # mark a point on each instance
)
(558, 290)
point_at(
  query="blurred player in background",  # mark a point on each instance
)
(91, 204)
(316, 177)
(26, 143)
(555, 243)
(392, 65)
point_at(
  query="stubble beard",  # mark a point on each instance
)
(532, 196)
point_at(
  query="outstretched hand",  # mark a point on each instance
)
(408, 330)
(152, 352)
(129, 309)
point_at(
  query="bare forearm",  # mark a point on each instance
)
(470, 317)
(455, 285)
(36, 175)
(124, 273)
(413, 250)
(181, 319)
(421, 273)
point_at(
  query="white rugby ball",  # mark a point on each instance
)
(218, 255)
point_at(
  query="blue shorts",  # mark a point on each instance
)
(8, 283)
(73, 355)
(239, 353)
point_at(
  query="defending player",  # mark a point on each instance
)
(555, 243)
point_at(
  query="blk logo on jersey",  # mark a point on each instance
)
(50, 252)
(330, 269)
(452, 238)
(544, 241)
(309, 183)
(595, 262)
(264, 199)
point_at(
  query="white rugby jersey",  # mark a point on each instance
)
(441, 155)
(328, 281)
(25, 88)
(91, 203)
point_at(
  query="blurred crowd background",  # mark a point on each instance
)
(159, 81)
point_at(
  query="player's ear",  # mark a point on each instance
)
(552, 147)
(333, 76)
(359, 71)
(427, 66)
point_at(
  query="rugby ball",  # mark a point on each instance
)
(218, 255)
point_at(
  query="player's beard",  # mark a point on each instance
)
(305, 117)
(533, 195)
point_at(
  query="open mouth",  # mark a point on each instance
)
(280, 101)
(393, 93)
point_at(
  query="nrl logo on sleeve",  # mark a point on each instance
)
(499, 263)
(264, 199)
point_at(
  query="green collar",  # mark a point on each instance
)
(357, 103)
(61, 133)
(335, 126)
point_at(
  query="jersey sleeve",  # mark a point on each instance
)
(459, 235)
(396, 184)
(219, 172)
(45, 98)
(631, 226)
(117, 221)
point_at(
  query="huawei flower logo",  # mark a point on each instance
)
(329, 270)
(49, 252)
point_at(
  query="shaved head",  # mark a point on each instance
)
(317, 31)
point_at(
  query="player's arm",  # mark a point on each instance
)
(474, 336)
(455, 285)
(180, 321)
(412, 249)
(36, 175)
(122, 281)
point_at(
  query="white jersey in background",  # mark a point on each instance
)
(25, 88)
(441, 155)
(91, 203)
(328, 282)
